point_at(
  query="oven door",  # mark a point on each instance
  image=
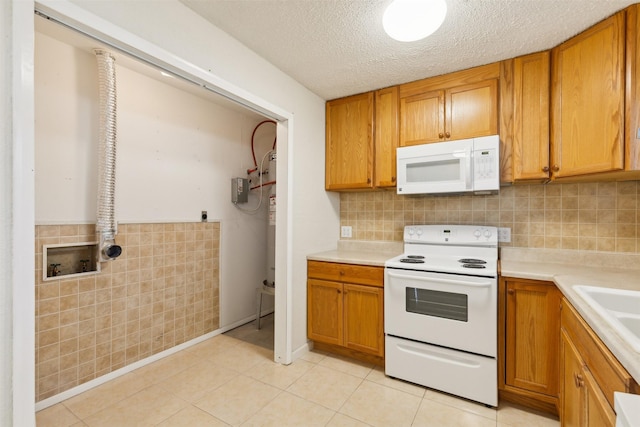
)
(449, 310)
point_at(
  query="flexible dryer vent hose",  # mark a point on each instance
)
(106, 223)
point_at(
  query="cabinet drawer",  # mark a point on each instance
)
(609, 374)
(351, 273)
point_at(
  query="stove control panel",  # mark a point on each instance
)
(451, 234)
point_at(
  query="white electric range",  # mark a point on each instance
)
(440, 310)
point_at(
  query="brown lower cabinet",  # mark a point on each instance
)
(551, 360)
(589, 374)
(530, 313)
(582, 400)
(345, 309)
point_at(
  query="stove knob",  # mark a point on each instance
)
(410, 231)
(477, 233)
(419, 232)
(487, 234)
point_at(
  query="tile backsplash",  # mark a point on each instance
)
(162, 291)
(585, 216)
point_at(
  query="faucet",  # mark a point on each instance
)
(55, 270)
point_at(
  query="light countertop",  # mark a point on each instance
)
(360, 252)
(606, 270)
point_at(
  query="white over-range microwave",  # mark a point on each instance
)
(462, 166)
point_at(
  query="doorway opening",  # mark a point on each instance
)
(201, 82)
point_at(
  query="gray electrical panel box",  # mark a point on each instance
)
(239, 190)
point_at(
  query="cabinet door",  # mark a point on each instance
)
(363, 318)
(572, 392)
(599, 412)
(324, 311)
(472, 110)
(422, 118)
(349, 143)
(386, 137)
(588, 87)
(532, 336)
(531, 75)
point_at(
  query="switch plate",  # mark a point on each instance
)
(504, 234)
(345, 231)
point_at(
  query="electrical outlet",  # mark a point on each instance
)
(345, 231)
(203, 216)
(504, 234)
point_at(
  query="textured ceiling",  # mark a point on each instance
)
(338, 47)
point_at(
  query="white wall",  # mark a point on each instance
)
(170, 25)
(176, 155)
(315, 213)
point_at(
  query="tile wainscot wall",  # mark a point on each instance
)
(162, 291)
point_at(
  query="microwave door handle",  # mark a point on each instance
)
(483, 284)
(469, 172)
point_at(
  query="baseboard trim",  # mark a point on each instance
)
(67, 394)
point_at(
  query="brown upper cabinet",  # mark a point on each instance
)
(459, 105)
(592, 128)
(569, 114)
(524, 118)
(386, 137)
(361, 141)
(632, 95)
(349, 143)
(587, 95)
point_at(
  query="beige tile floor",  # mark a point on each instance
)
(231, 380)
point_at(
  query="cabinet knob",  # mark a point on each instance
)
(368, 180)
(511, 292)
(338, 290)
(577, 379)
(448, 135)
(545, 169)
(440, 135)
(341, 273)
(555, 168)
(393, 179)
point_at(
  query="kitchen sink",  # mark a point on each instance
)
(618, 307)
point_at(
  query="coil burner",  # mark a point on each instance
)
(412, 260)
(472, 261)
(474, 266)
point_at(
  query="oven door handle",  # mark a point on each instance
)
(483, 284)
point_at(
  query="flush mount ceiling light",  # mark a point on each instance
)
(411, 20)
